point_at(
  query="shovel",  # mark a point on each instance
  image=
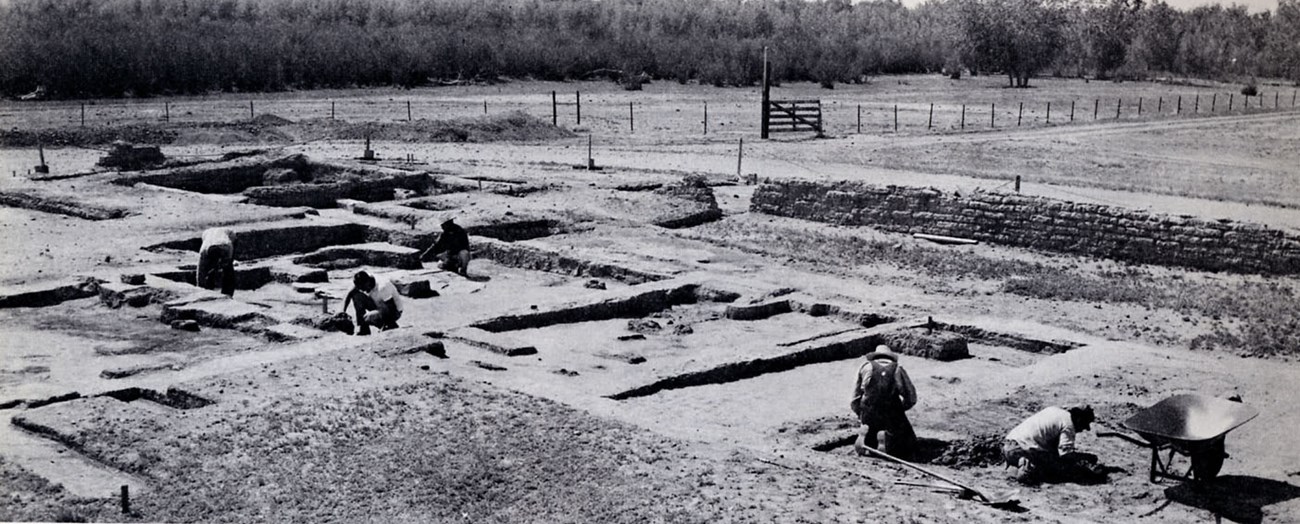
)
(1005, 500)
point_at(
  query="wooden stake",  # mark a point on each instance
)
(1118, 104)
(930, 123)
(126, 500)
(1017, 183)
(331, 110)
(895, 118)
(555, 115)
(631, 118)
(485, 107)
(83, 114)
(764, 118)
(1071, 110)
(740, 155)
(859, 119)
(167, 112)
(1178, 109)
(1139, 106)
(1095, 105)
(577, 100)
(706, 117)
(993, 113)
(1160, 105)
(1214, 102)
(1049, 112)
(1230, 97)
(250, 109)
(963, 116)
(408, 110)
(1196, 106)
(1020, 114)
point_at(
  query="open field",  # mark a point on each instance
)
(634, 344)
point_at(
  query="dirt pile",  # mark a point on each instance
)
(128, 157)
(937, 345)
(974, 452)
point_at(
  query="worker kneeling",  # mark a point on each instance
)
(1042, 447)
(881, 398)
(453, 247)
(376, 302)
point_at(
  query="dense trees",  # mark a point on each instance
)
(142, 47)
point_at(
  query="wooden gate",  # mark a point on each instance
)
(784, 116)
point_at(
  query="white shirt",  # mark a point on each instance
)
(1050, 430)
(384, 290)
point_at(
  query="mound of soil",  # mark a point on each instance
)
(973, 452)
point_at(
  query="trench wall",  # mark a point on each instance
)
(1040, 223)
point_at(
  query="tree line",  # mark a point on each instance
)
(97, 48)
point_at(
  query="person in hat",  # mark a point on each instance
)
(376, 302)
(216, 261)
(881, 397)
(453, 243)
(1039, 448)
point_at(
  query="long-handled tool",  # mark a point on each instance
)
(1006, 499)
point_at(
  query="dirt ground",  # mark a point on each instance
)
(250, 419)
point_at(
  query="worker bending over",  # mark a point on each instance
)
(217, 261)
(1040, 447)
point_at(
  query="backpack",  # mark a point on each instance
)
(876, 399)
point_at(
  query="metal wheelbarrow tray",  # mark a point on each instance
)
(1191, 425)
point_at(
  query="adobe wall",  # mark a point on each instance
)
(1040, 223)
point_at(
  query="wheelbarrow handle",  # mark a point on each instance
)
(1124, 437)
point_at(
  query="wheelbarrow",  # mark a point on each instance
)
(1190, 425)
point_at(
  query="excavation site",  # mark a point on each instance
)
(652, 326)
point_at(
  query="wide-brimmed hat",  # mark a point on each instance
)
(882, 351)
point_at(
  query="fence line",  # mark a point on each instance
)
(896, 120)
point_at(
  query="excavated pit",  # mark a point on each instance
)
(173, 397)
(289, 181)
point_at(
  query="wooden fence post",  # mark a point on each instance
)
(895, 118)
(331, 110)
(1017, 183)
(1231, 96)
(555, 114)
(631, 118)
(1049, 112)
(1020, 114)
(1275, 99)
(1178, 110)
(993, 113)
(963, 116)
(1139, 106)
(1072, 110)
(930, 123)
(250, 109)
(1214, 102)
(577, 101)
(1160, 105)
(1118, 104)
(408, 111)
(1096, 104)
(767, 71)
(1196, 106)
(859, 119)
(706, 117)
(167, 112)
(83, 113)
(126, 500)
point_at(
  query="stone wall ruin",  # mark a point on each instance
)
(1040, 223)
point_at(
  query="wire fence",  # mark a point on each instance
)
(604, 113)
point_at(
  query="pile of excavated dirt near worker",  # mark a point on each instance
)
(642, 342)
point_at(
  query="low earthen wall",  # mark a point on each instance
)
(1040, 223)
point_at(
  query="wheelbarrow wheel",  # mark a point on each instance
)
(1207, 461)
